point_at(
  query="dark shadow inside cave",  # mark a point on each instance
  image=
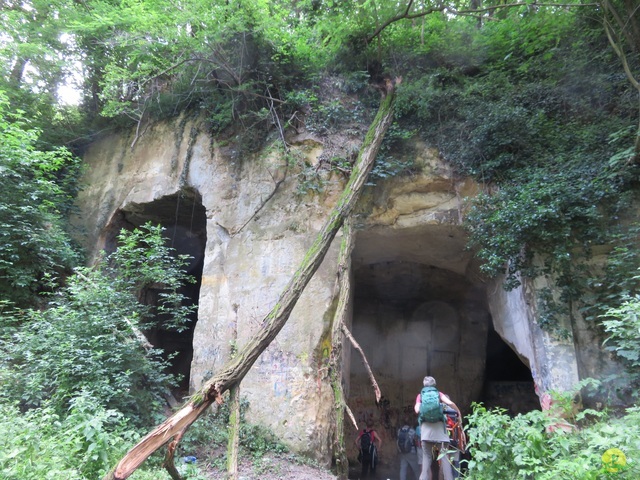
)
(508, 381)
(184, 219)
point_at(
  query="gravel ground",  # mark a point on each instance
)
(289, 467)
(274, 467)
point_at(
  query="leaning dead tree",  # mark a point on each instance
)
(235, 370)
(338, 331)
(335, 358)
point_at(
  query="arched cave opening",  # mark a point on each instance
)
(508, 381)
(417, 310)
(184, 219)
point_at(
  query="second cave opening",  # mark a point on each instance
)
(417, 311)
(183, 218)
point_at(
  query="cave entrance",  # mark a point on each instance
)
(508, 382)
(184, 218)
(418, 309)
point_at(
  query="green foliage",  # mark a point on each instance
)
(535, 107)
(80, 445)
(310, 180)
(211, 431)
(76, 377)
(38, 58)
(143, 260)
(389, 162)
(335, 115)
(37, 188)
(528, 447)
(618, 280)
(502, 446)
(557, 210)
(622, 326)
(550, 312)
(568, 404)
(87, 342)
(233, 62)
(259, 440)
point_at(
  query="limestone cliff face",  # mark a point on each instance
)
(419, 305)
(248, 259)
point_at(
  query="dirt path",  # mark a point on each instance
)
(275, 467)
(289, 467)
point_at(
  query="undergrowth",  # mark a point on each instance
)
(527, 447)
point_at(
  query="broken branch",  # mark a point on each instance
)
(355, 344)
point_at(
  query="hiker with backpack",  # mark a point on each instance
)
(457, 439)
(433, 433)
(407, 445)
(368, 443)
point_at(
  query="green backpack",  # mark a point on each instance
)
(430, 406)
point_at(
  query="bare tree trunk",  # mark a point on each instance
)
(335, 363)
(235, 370)
(233, 445)
(17, 71)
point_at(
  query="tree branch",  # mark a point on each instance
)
(355, 344)
(351, 416)
(401, 16)
(621, 55)
(169, 463)
(467, 12)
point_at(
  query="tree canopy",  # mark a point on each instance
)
(140, 59)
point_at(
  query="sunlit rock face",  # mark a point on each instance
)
(418, 306)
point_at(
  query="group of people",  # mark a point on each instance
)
(416, 446)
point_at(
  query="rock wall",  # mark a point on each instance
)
(252, 249)
(552, 361)
(417, 289)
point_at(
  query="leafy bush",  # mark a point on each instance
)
(260, 440)
(211, 431)
(42, 444)
(36, 191)
(622, 324)
(332, 116)
(540, 115)
(517, 116)
(618, 281)
(388, 162)
(524, 447)
(83, 444)
(555, 211)
(89, 339)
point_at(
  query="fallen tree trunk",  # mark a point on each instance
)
(235, 370)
